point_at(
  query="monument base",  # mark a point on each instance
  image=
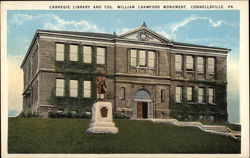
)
(102, 119)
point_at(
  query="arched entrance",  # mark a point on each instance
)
(143, 104)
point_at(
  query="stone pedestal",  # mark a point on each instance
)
(102, 119)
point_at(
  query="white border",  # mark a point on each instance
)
(44, 5)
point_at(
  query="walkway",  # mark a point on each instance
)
(217, 129)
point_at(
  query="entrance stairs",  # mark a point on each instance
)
(217, 129)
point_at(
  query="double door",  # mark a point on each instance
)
(142, 110)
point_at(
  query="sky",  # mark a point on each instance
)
(211, 28)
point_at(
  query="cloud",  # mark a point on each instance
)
(175, 27)
(54, 22)
(170, 30)
(122, 30)
(15, 83)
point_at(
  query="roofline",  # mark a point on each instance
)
(200, 46)
(28, 51)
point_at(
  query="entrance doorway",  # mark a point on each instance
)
(142, 110)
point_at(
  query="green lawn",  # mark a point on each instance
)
(37, 135)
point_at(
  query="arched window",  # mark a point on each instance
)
(141, 95)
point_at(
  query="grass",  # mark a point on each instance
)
(38, 135)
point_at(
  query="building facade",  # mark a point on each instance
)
(148, 75)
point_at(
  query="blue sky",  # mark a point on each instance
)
(212, 28)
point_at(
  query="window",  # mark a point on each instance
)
(178, 62)
(142, 58)
(151, 59)
(122, 95)
(189, 93)
(60, 52)
(73, 85)
(133, 57)
(100, 55)
(211, 65)
(73, 56)
(87, 54)
(201, 94)
(200, 64)
(189, 63)
(162, 95)
(59, 87)
(178, 94)
(87, 89)
(211, 98)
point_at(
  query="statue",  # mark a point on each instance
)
(102, 113)
(101, 86)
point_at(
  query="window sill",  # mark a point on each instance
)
(212, 103)
(59, 96)
(142, 67)
(211, 74)
(179, 71)
(200, 73)
(86, 97)
(101, 65)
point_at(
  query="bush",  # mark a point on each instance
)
(69, 114)
(119, 115)
(27, 114)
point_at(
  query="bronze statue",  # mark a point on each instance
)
(101, 86)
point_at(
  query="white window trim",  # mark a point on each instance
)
(179, 95)
(146, 58)
(73, 88)
(104, 56)
(84, 55)
(203, 95)
(203, 65)
(181, 62)
(60, 88)
(133, 58)
(213, 96)
(71, 53)
(60, 57)
(191, 94)
(191, 63)
(212, 66)
(89, 89)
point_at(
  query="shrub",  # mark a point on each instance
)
(69, 114)
(27, 114)
(119, 115)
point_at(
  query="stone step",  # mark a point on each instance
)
(219, 129)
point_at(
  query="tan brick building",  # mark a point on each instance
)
(148, 75)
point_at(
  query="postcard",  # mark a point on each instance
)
(125, 79)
